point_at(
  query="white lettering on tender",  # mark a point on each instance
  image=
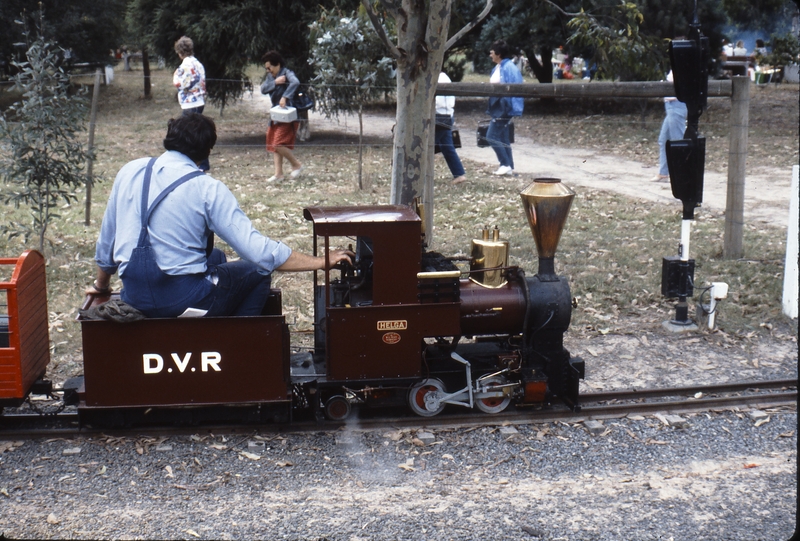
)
(212, 359)
(181, 364)
(147, 358)
(153, 363)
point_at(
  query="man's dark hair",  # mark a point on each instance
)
(193, 135)
(501, 49)
(274, 58)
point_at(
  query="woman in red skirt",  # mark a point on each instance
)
(281, 85)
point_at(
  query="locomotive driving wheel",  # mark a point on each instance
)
(493, 404)
(424, 397)
(337, 408)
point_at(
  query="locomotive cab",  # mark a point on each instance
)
(369, 326)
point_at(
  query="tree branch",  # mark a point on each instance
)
(470, 25)
(376, 23)
(558, 8)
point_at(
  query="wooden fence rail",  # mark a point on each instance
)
(737, 90)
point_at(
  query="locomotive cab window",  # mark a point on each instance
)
(351, 285)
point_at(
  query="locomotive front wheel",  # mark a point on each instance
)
(337, 408)
(493, 404)
(423, 397)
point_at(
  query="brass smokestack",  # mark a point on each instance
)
(547, 203)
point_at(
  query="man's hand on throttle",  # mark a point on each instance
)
(337, 256)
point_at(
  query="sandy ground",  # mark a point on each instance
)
(767, 190)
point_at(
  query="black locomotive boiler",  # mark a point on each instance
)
(402, 326)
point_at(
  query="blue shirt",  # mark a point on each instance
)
(181, 224)
(507, 107)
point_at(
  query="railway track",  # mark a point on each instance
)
(599, 405)
(751, 394)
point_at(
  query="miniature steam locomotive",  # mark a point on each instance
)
(402, 326)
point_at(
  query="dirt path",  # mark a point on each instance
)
(767, 190)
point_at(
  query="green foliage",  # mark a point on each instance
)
(347, 57)
(621, 51)
(228, 36)
(766, 15)
(533, 27)
(540, 27)
(784, 50)
(41, 157)
(89, 29)
(455, 67)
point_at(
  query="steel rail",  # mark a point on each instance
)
(690, 390)
(624, 403)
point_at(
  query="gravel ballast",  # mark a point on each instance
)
(719, 475)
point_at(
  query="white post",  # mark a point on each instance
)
(686, 228)
(792, 253)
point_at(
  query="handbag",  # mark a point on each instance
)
(456, 139)
(483, 127)
(302, 101)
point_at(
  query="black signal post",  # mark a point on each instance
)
(686, 161)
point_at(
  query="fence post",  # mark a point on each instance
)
(737, 159)
(792, 252)
(90, 162)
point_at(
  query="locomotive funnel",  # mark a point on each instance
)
(547, 203)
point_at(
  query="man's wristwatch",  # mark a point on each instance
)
(102, 290)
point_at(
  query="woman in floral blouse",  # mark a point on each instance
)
(190, 80)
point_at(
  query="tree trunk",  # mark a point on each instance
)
(544, 70)
(146, 71)
(422, 36)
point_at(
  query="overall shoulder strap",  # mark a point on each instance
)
(149, 211)
(148, 173)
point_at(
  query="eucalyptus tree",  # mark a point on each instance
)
(350, 65)
(43, 156)
(418, 49)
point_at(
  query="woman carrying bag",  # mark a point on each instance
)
(443, 133)
(281, 84)
(502, 110)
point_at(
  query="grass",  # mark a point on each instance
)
(611, 248)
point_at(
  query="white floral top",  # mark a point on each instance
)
(190, 80)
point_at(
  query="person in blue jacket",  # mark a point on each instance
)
(502, 110)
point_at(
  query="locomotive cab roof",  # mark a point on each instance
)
(363, 214)
(394, 234)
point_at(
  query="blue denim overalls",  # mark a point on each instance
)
(145, 286)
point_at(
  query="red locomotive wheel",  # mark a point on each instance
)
(337, 408)
(423, 397)
(493, 404)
